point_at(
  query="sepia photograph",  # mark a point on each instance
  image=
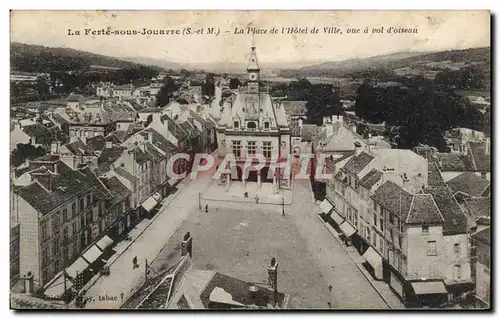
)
(250, 160)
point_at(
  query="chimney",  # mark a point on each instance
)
(487, 146)
(109, 144)
(55, 168)
(357, 148)
(272, 271)
(187, 245)
(29, 283)
(150, 137)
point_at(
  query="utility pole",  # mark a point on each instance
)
(199, 200)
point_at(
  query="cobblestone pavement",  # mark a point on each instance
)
(350, 289)
(123, 278)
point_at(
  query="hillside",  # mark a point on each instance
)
(37, 58)
(390, 61)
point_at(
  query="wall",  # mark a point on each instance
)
(17, 136)
(29, 249)
(462, 258)
(483, 279)
(419, 264)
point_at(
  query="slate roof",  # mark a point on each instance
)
(482, 162)
(357, 163)
(469, 183)
(66, 185)
(161, 142)
(107, 157)
(393, 198)
(452, 162)
(483, 235)
(113, 138)
(197, 117)
(455, 221)
(59, 119)
(370, 179)
(423, 211)
(151, 110)
(140, 157)
(188, 127)
(434, 175)
(174, 128)
(479, 206)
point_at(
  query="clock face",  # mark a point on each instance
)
(252, 76)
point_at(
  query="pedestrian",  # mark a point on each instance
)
(121, 296)
(206, 208)
(134, 262)
(256, 199)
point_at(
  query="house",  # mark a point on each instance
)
(36, 135)
(59, 212)
(14, 252)
(481, 265)
(76, 153)
(478, 211)
(469, 185)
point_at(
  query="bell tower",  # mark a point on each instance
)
(253, 70)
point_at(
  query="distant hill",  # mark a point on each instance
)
(37, 58)
(389, 61)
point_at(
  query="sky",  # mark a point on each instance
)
(437, 30)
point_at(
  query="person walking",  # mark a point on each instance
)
(134, 262)
(206, 208)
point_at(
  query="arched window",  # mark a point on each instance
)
(251, 125)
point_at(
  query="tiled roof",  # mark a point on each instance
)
(309, 132)
(79, 148)
(483, 235)
(107, 157)
(295, 107)
(370, 179)
(36, 130)
(122, 172)
(239, 291)
(118, 191)
(452, 162)
(479, 206)
(423, 211)
(455, 221)
(468, 183)
(434, 175)
(357, 163)
(393, 198)
(482, 162)
(64, 186)
(96, 143)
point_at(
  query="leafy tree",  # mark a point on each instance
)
(166, 92)
(323, 101)
(208, 86)
(234, 83)
(23, 152)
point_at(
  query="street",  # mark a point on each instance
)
(123, 278)
(350, 288)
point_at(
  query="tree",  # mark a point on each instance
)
(166, 92)
(323, 101)
(234, 83)
(208, 86)
(23, 152)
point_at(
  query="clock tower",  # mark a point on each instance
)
(253, 70)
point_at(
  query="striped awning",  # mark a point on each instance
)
(337, 218)
(325, 206)
(347, 229)
(77, 267)
(104, 242)
(429, 287)
(92, 254)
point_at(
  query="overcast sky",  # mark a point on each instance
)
(438, 30)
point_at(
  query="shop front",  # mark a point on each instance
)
(347, 232)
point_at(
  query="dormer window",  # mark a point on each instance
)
(251, 125)
(266, 125)
(236, 124)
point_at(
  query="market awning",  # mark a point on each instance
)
(325, 206)
(149, 203)
(172, 181)
(56, 288)
(372, 257)
(337, 218)
(429, 287)
(347, 229)
(104, 242)
(92, 254)
(77, 267)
